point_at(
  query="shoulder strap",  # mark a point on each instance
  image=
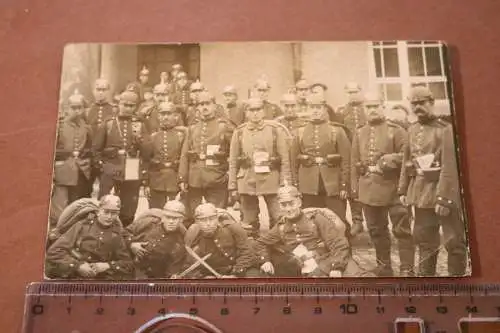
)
(275, 140)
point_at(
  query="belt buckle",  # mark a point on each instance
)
(121, 151)
(203, 156)
(76, 153)
(319, 160)
(167, 164)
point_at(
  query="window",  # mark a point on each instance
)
(397, 66)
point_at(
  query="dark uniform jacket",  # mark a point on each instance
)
(315, 232)
(352, 116)
(230, 247)
(271, 110)
(268, 138)
(420, 185)
(89, 242)
(73, 153)
(164, 157)
(149, 116)
(323, 154)
(98, 113)
(448, 189)
(235, 113)
(380, 144)
(201, 168)
(165, 251)
(114, 138)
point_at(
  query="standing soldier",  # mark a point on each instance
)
(72, 166)
(203, 164)
(418, 186)
(224, 241)
(119, 145)
(176, 70)
(141, 86)
(320, 89)
(353, 116)
(165, 155)
(271, 111)
(258, 164)
(149, 113)
(192, 112)
(377, 154)
(306, 242)
(93, 248)
(156, 238)
(302, 89)
(233, 110)
(323, 160)
(181, 94)
(449, 206)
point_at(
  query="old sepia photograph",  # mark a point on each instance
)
(256, 160)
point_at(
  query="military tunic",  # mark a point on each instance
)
(203, 163)
(353, 116)
(181, 97)
(448, 189)
(98, 113)
(72, 165)
(89, 242)
(114, 144)
(230, 248)
(235, 113)
(163, 165)
(381, 145)
(149, 116)
(331, 247)
(165, 250)
(271, 110)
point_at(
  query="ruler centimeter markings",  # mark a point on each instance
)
(264, 307)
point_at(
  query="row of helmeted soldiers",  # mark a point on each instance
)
(332, 156)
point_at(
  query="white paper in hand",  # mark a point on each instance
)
(261, 162)
(425, 161)
(131, 168)
(211, 150)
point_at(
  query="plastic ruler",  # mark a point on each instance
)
(287, 307)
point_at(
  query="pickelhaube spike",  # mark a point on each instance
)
(110, 201)
(175, 207)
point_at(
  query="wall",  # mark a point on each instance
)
(241, 64)
(335, 64)
(119, 65)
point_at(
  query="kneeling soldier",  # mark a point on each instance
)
(92, 248)
(224, 244)
(157, 240)
(309, 242)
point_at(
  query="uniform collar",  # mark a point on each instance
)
(254, 127)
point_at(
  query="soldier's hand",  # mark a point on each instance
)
(138, 250)
(86, 270)
(335, 274)
(403, 200)
(183, 187)
(267, 268)
(343, 195)
(100, 267)
(441, 210)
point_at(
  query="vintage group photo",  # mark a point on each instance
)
(256, 160)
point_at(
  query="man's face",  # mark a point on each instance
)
(318, 90)
(163, 76)
(291, 208)
(354, 96)
(230, 98)
(255, 114)
(423, 109)
(160, 96)
(290, 110)
(399, 115)
(182, 81)
(206, 109)
(126, 108)
(171, 222)
(208, 224)
(318, 112)
(106, 217)
(263, 93)
(101, 94)
(168, 119)
(374, 111)
(302, 93)
(76, 111)
(143, 78)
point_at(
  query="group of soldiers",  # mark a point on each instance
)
(193, 158)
